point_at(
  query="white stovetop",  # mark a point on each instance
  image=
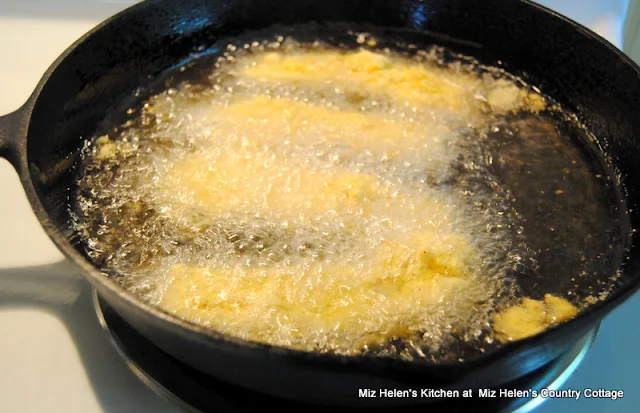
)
(53, 356)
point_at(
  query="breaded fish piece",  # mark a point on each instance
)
(532, 317)
(373, 73)
(330, 306)
(400, 79)
(261, 120)
(261, 182)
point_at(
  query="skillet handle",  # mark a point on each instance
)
(13, 134)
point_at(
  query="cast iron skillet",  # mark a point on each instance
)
(578, 68)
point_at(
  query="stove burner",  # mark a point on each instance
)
(196, 392)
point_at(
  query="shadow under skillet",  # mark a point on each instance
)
(60, 290)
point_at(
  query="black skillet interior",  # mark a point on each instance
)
(578, 70)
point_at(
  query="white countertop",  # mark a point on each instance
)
(53, 355)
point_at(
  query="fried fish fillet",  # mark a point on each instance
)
(532, 317)
(339, 307)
